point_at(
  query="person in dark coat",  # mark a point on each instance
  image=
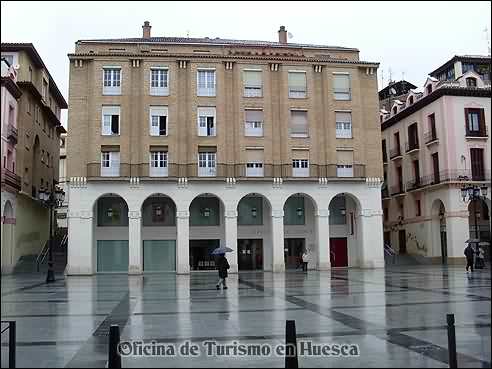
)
(222, 266)
(469, 257)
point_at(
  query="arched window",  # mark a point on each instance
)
(410, 100)
(429, 89)
(395, 109)
(471, 82)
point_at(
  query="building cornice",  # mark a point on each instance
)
(29, 86)
(265, 58)
(12, 87)
(419, 104)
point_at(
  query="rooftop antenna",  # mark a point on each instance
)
(390, 75)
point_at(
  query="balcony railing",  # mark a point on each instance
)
(397, 189)
(430, 137)
(12, 133)
(413, 185)
(11, 179)
(395, 153)
(483, 132)
(384, 193)
(237, 170)
(411, 146)
(445, 176)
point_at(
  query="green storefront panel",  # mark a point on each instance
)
(112, 256)
(159, 255)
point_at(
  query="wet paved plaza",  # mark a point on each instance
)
(396, 317)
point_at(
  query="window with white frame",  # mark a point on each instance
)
(297, 84)
(300, 167)
(111, 80)
(298, 123)
(207, 164)
(158, 164)
(345, 160)
(343, 124)
(110, 164)
(206, 121)
(252, 80)
(206, 82)
(159, 81)
(254, 163)
(341, 86)
(45, 90)
(110, 121)
(253, 124)
(158, 120)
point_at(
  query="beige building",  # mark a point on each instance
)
(171, 139)
(435, 141)
(36, 155)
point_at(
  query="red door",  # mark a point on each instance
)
(338, 252)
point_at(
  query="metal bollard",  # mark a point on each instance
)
(114, 359)
(291, 341)
(453, 363)
(12, 344)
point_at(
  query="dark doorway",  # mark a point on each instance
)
(338, 252)
(435, 166)
(250, 254)
(402, 241)
(200, 254)
(293, 249)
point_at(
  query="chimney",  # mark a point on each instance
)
(282, 35)
(146, 29)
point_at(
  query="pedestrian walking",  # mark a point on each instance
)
(480, 262)
(306, 258)
(222, 266)
(469, 257)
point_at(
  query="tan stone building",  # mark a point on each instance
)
(38, 131)
(215, 126)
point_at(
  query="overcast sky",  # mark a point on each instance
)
(412, 38)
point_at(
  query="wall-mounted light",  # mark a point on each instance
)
(299, 212)
(343, 211)
(158, 211)
(206, 212)
(109, 213)
(253, 212)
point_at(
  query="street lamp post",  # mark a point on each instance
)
(51, 200)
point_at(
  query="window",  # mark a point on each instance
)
(475, 122)
(207, 164)
(158, 211)
(477, 164)
(294, 211)
(112, 211)
(45, 90)
(110, 120)
(297, 84)
(112, 81)
(206, 83)
(345, 160)
(343, 125)
(395, 110)
(416, 172)
(158, 164)
(298, 123)
(471, 82)
(159, 81)
(385, 153)
(413, 137)
(418, 208)
(205, 211)
(432, 127)
(253, 125)
(300, 167)
(254, 163)
(206, 121)
(341, 86)
(410, 100)
(252, 83)
(429, 89)
(158, 121)
(110, 164)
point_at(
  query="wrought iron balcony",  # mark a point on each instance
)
(411, 146)
(482, 132)
(430, 137)
(395, 153)
(12, 134)
(397, 189)
(11, 179)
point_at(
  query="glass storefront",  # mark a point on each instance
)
(112, 256)
(159, 255)
(250, 254)
(200, 254)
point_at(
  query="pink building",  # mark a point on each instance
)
(11, 182)
(434, 142)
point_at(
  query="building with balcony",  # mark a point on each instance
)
(178, 145)
(31, 104)
(438, 140)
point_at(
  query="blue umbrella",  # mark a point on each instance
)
(221, 250)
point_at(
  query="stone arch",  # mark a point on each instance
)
(8, 224)
(439, 230)
(254, 232)
(111, 233)
(345, 230)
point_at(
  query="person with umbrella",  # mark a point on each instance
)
(222, 265)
